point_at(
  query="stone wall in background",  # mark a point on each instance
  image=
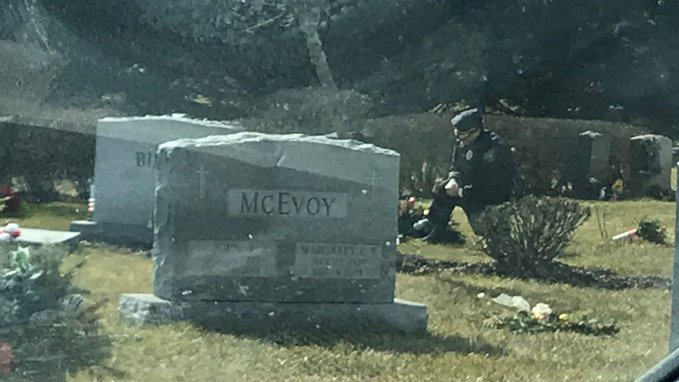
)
(46, 163)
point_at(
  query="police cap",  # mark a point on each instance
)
(468, 120)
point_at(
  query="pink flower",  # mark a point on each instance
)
(6, 358)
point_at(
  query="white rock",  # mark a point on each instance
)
(517, 302)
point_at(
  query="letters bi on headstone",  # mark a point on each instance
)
(124, 172)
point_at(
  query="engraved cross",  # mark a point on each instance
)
(201, 180)
(373, 183)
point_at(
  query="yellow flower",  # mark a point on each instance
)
(618, 186)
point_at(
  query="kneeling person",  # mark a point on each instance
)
(483, 173)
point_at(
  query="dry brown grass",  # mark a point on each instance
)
(459, 347)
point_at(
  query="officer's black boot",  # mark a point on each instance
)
(439, 215)
(437, 234)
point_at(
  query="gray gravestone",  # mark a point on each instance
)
(284, 225)
(590, 162)
(124, 173)
(650, 165)
(597, 147)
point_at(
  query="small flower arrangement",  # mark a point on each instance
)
(9, 232)
(525, 323)
(542, 318)
(652, 231)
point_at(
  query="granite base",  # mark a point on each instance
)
(399, 316)
(113, 233)
(32, 236)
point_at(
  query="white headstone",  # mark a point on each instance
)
(124, 172)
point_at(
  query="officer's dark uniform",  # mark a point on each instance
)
(486, 172)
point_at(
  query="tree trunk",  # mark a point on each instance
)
(309, 19)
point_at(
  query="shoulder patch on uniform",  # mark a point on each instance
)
(489, 156)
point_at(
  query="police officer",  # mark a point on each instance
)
(483, 173)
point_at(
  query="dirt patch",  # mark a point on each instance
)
(554, 272)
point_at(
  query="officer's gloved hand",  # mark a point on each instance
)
(453, 189)
(423, 225)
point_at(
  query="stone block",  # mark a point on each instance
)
(397, 316)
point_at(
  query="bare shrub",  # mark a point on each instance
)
(531, 230)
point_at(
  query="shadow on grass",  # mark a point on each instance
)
(552, 272)
(388, 342)
(473, 291)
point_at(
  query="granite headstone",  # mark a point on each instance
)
(124, 173)
(300, 228)
(590, 164)
(650, 165)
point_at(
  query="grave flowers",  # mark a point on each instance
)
(9, 232)
(648, 230)
(542, 318)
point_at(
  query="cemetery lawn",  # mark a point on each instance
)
(53, 216)
(459, 347)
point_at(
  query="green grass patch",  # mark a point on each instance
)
(55, 216)
(459, 347)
